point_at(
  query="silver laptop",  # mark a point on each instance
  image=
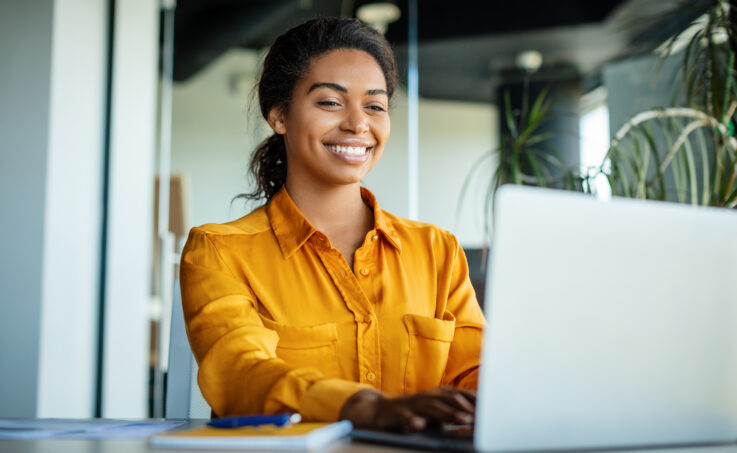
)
(610, 325)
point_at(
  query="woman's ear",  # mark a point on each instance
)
(276, 120)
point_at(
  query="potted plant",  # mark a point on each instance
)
(525, 155)
(687, 152)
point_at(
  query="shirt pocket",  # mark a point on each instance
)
(308, 346)
(429, 345)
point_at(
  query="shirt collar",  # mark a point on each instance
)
(292, 229)
(382, 222)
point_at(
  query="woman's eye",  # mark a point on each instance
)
(377, 108)
(328, 103)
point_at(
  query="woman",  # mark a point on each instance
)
(320, 302)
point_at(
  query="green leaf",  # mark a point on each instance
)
(539, 138)
(637, 169)
(524, 117)
(727, 89)
(532, 161)
(620, 173)
(540, 107)
(718, 172)
(705, 170)
(658, 182)
(515, 169)
(715, 80)
(508, 114)
(691, 166)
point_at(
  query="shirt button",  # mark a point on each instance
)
(374, 237)
(370, 376)
(364, 271)
(365, 319)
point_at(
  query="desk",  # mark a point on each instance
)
(141, 445)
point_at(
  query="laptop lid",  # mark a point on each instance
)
(610, 324)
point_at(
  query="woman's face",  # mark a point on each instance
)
(338, 120)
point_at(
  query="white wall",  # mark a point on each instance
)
(130, 211)
(51, 83)
(214, 133)
(51, 173)
(71, 275)
(24, 115)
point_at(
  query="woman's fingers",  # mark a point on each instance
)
(362, 408)
(461, 400)
(395, 415)
(437, 409)
(369, 408)
(470, 395)
(453, 401)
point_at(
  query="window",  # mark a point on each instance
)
(594, 127)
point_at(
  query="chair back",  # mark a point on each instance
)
(183, 397)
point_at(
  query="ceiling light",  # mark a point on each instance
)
(529, 61)
(379, 14)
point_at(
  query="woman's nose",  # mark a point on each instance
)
(355, 121)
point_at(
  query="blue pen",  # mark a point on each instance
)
(256, 420)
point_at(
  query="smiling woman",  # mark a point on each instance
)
(320, 302)
(340, 106)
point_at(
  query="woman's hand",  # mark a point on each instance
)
(371, 409)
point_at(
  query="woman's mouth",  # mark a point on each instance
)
(350, 150)
(350, 154)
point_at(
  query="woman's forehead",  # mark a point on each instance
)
(345, 67)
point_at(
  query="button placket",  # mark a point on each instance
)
(370, 361)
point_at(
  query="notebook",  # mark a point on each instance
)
(300, 436)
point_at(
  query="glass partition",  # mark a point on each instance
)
(465, 107)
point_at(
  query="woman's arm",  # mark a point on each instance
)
(239, 372)
(461, 371)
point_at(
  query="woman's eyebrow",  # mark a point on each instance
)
(342, 89)
(331, 85)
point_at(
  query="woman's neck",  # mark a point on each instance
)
(339, 212)
(333, 209)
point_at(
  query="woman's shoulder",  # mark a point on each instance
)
(232, 241)
(253, 223)
(423, 231)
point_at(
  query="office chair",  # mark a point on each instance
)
(183, 397)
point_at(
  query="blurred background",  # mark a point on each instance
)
(102, 100)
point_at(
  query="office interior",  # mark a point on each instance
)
(90, 123)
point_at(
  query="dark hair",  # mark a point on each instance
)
(286, 64)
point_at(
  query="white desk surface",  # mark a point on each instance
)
(141, 445)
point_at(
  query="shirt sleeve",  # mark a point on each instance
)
(464, 356)
(239, 372)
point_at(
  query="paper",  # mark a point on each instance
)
(96, 428)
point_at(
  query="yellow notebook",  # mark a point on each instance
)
(300, 436)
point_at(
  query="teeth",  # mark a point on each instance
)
(347, 150)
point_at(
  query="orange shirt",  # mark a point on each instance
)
(278, 321)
